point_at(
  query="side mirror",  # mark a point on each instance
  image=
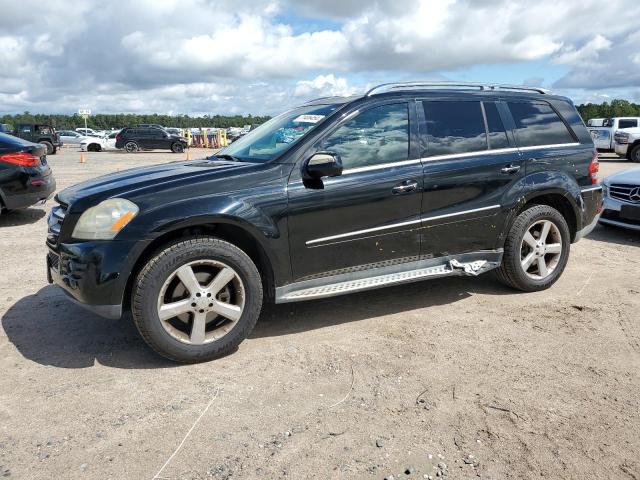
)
(323, 164)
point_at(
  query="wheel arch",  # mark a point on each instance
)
(557, 198)
(232, 232)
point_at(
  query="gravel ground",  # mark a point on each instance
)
(458, 377)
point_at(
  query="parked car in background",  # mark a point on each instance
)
(88, 132)
(149, 138)
(407, 182)
(69, 137)
(25, 176)
(622, 199)
(603, 136)
(627, 143)
(39, 133)
(596, 122)
(98, 144)
(174, 131)
(5, 128)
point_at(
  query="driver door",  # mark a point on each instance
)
(369, 215)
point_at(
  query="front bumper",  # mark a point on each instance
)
(613, 215)
(94, 273)
(621, 149)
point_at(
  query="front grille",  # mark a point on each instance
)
(623, 192)
(56, 217)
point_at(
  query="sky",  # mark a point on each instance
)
(261, 56)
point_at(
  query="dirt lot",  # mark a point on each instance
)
(459, 372)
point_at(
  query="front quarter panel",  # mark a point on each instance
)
(255, 201)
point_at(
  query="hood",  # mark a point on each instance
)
(144, 180)
(631, 176)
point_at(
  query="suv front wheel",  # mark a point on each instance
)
(177, 147)
(536, 249)
(197, 299)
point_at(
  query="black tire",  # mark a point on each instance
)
(177, 147)
(634, 154)
(48, 145)
(94, 147)
(131, 147)
(511, 272)
(148, 283)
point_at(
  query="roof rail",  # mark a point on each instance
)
(387, 87)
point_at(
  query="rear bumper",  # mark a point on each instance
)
(591, 208)
(31, 194)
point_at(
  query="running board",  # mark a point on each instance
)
(466, 264)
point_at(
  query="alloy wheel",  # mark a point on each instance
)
(541, 249)
(201, 302)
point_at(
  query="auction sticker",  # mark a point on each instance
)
(309, 118)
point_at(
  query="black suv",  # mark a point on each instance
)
(149, 138)
(407, 182)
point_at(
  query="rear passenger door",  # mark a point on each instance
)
(471, 173)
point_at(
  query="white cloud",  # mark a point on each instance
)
(259, 56)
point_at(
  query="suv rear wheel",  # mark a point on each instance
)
(131, 147)
(536, 249)
(177, 147)
(197, 299)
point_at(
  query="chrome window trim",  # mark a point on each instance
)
(495, 151)
(556, 145)
(395, 225)
(381, 165)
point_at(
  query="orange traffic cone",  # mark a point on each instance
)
(82, 160)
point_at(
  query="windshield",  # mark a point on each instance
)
(272, 138)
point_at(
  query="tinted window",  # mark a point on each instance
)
(538, 124)
(627, 123)
(376, 136)
(454, 127)
(497, 134)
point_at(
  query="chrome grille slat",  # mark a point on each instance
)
(56, 217)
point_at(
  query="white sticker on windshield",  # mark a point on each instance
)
(309, 118)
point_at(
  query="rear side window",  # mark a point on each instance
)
(454, 127)
(495, 127)
(628, 123)
(538, 124)
(376, 136)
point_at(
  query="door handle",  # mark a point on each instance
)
(509, 169)
(405, 187)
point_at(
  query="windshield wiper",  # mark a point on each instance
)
(227, 157)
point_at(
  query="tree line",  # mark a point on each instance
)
(615, 108)
(107, 122)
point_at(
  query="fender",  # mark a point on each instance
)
(540, 184)
(262, 217)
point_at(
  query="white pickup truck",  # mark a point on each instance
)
(627, 143)
(603, 136)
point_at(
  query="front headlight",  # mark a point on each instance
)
(105, 220)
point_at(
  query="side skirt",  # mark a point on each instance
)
(473, 263)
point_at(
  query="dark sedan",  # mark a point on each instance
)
(25, 176)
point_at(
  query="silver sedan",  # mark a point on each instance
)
(622, 199)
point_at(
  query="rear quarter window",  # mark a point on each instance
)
(537, 124)
(629, 123)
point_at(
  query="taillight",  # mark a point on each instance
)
(22, 159)
(594, 168)
(118, 137)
